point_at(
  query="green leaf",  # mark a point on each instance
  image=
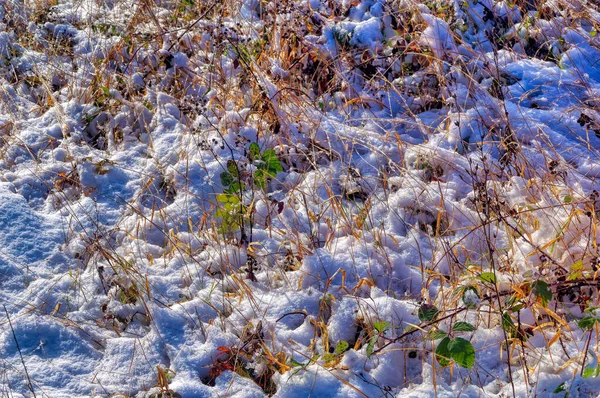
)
(329, 357)
(260, 179)
(462, 351)
(226, 179)
(371, 344)
(487, 277)
(223, 198)
(513, 304)
(381, 326)
(576, 268)
(568, 199)
(295, 363)
(442, 353)
(590, 371)
(269, 154)
(587, 322)
(273, 165)
(232, 168)
(573, 276)
(562, 387)
(254, 151)
(540, 289)
(228, 200)
(437, 334)
(428, 312)
(507, 323)
(341, 347)
(234, 187)
(221, 213)
(463, 327)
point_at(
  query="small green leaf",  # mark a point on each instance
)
(223, 198)
(260, 179)
(428, 312)
(269, 154)
(226, 179)
(273, 165)
(577, 266)
(234, 187)
(329, 357)
(462, 351)
(254, 151)
(540, 289)
(442, 353)
(587, 322)
(593, 33)
(507, 323)
(562, 387)
(381, 326)
(295, 363)
(574, 276)
(341, 347)
(371, 344)
(463, 327)
(513, 304)
(590, 372)
(232, 168)
(437, 334)
(487, 277)
(568, 199)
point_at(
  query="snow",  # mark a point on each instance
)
(120, 260)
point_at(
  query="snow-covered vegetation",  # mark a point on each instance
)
(327, 198)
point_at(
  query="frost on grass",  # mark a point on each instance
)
(324, 198)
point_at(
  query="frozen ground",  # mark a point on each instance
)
(299, 198)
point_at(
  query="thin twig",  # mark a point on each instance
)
(29, 384)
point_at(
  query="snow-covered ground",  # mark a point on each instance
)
(323, 198)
